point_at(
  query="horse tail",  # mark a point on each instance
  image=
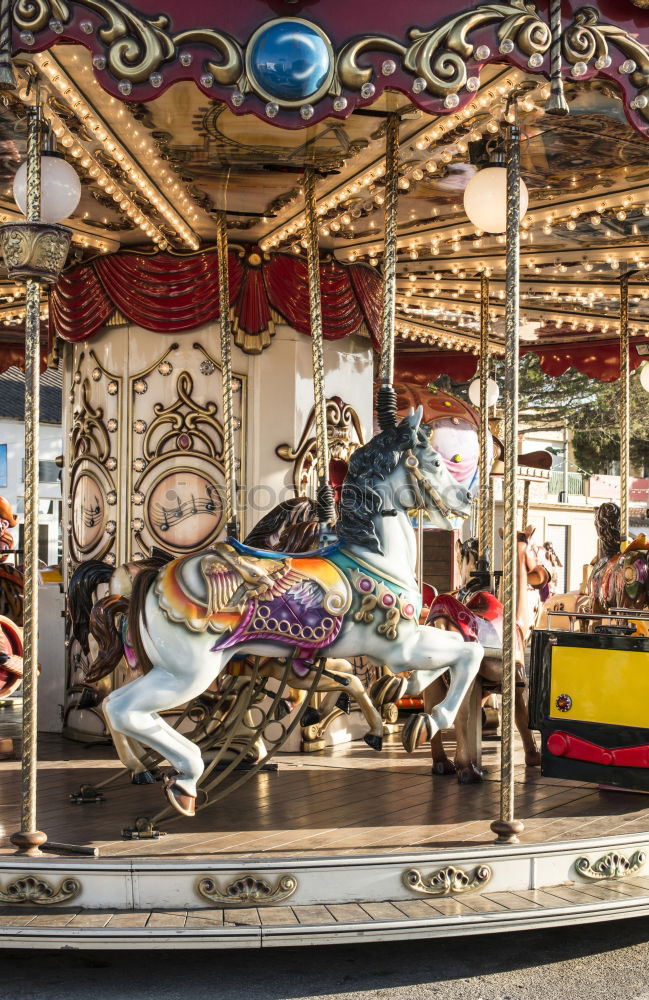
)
(107, 636)
(83, 583)
(136, 610)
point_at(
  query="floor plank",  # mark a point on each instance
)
(345, 800)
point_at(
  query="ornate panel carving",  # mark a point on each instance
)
(176, 453)
(92, 482)
(345, 435)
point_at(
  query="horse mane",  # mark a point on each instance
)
(107, 637)
(147, 571)
(607, 525)
(359, 501)
(291, 526)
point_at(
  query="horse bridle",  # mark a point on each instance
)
(420, 483)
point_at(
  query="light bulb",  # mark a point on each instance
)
(493, 392)
(60, 188)
(485, 199)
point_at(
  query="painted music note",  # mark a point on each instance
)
(185, 510)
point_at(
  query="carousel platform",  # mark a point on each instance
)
(342, 846)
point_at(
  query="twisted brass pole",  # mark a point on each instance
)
(483, 495)
(526, 504)
(556, 103)
(29, 839)
(7, 78)
(226, 377)
(625, 407)
(325, 501)
(387, 400)
(506, 827)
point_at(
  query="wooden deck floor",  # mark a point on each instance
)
(345, 800)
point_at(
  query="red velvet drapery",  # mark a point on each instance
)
(168, 294)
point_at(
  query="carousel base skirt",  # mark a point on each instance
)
(339, 847)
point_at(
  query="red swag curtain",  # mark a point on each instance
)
(169, 294)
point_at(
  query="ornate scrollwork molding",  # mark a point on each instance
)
(438, 57)
(247, 890)
(139, 48)
(587, 44)
(612, 865)
(39, 892)
(447, 881)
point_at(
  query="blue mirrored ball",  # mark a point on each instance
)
(290, 60)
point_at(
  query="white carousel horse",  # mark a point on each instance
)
(358, 596)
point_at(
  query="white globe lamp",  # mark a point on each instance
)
(493, 392)
(485, 199)
(644, 377)
(60, 188)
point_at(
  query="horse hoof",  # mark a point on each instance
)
(470, 775)
(375, 742)
(418, 730)
(143, 778)
(533, 759)
(344, 702)
(283, 709)
(387, 689)
(311, 717)
(443, 767)
(182, 802)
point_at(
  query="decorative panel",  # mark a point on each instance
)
(176, 453)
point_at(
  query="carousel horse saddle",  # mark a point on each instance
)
(265, 596)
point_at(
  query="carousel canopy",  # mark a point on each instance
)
(194, 119)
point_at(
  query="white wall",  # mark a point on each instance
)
(12, 433)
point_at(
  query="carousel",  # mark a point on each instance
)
(251, 239)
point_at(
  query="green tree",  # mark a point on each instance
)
(590, 407)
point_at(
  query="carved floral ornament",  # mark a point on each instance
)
(35, 890)
(247, 890)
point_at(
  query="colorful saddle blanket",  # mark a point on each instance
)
(243, 596)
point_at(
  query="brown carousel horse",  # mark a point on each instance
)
(11, 578)
(613, 579)
(11, 657)
(620, 574)
(479, 616)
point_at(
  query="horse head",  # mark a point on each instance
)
(467, 555)
(400, 471)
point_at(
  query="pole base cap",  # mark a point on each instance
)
(507, 830)
(29, 844)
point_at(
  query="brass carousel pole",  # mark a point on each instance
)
(625, 407)
(526, 504)
(7, 77)
(483, 496)
(232, 522)
(506, 827)
(29, 839)
(325, 499)
(387, 399)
